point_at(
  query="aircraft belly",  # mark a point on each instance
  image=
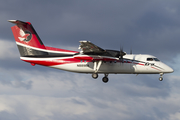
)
(74, 67)
(116, 68)
(104, 68)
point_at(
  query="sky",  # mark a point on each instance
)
(36, 92)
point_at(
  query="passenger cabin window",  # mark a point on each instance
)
(152, 59)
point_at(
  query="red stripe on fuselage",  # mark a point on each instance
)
(52, 62)
(155, 68)
(139, 64)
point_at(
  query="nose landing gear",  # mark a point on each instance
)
(161, 77)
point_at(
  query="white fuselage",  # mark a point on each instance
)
(131, 64)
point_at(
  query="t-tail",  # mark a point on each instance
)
(30, 44)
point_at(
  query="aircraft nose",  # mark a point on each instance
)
(168, 69)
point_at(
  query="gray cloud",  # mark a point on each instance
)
(54, 95)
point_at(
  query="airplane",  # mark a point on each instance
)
(91, 59)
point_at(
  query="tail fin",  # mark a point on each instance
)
(27, 40)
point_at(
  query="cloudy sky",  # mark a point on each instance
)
(36, 93)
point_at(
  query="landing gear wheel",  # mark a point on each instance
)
(105, 79)
(95, 75)
(161, 79)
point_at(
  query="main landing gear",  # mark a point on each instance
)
(161, 77)
(95, 75)
(104, 79)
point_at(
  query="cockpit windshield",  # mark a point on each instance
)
(152, 59)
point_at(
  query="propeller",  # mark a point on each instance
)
(121, 54)
(131, 51)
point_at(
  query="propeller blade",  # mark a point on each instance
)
(121, 54)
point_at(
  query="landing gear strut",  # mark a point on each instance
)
(105, 78)
(161, 77)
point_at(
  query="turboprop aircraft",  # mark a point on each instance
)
(91, 59)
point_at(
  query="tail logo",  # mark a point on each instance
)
(25, 35)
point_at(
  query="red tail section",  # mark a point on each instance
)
(24, 33)
(29, 43)
(27, 40)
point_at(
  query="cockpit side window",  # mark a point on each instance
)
(149, 59)
(152, 59)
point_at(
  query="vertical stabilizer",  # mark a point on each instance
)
(27, 40)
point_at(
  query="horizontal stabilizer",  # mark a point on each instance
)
(17, 22)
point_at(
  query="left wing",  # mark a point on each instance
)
(88, 47)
